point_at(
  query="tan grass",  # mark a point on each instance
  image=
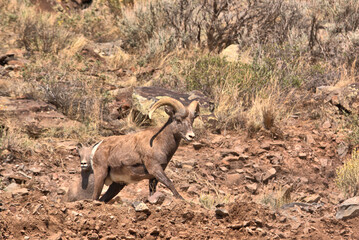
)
(76, 45)
(275, 197)
(347, 178)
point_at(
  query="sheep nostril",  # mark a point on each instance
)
(190, 136)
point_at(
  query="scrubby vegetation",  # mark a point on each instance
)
(348, 175)
(283, 46)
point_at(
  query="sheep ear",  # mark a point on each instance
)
(79, 145)
(170, 111)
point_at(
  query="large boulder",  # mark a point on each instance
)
(346, 98)
(144, 97)
(141, 99)
(34, 116)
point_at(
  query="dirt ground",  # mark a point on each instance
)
(242, 172)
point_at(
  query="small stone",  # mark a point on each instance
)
(209, 165)
(20, 192)
(252, 188)
(154, 231)
(234, 179)
(302, 155)
(12, 187)
(323, 145)
(230, 159)
(197, 145)
(140, 207)
(12, 208)
(334, 100)
(243, 157)
(193, 190)
(240, 171)
(157, 198)
(225, 153)
(278, 144)
(327, 124)
(221, 213)
(265, 146)
(237, 226)
(223, 169)
(310, 139)
(323, 162)
(61, 191)
(36, 170)
(187, 167)
(92, 236)
(269, 174)
(296, 225)
(312, 199)
(109, 237)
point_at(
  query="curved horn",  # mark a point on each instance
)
(193, 108)
(177, 106)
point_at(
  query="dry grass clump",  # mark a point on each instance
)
(42, 34)
(210, 201)
(14, 140)
(347, 178)
(276, 198)
(76, 95)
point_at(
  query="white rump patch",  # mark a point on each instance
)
(94, 151)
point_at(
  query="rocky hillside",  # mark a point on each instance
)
(275, 150)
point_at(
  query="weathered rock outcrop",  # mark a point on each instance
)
(34, 116)
(348, 209)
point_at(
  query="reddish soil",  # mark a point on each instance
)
(305, 161)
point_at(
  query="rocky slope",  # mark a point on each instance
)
(242, 180)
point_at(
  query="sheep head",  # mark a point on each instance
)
(181, 117)
(85, 156)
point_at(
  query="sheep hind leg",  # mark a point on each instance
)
(152, 185)
(112, 191)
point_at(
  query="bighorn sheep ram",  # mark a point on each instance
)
(120, 160)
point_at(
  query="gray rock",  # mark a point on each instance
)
(221, 213)
(312, 199)
(20, 192)
(157, 198)
(243, 157)
(193, 190)
(269, 174)
(302, 155)
(229, 152)
(252, 188)
(140, 207)
(231, 158)
(12, 187)
(348, 209)
(197, 145)
(144, 97)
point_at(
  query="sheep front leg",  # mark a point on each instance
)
(160, 175)
(100, 175)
